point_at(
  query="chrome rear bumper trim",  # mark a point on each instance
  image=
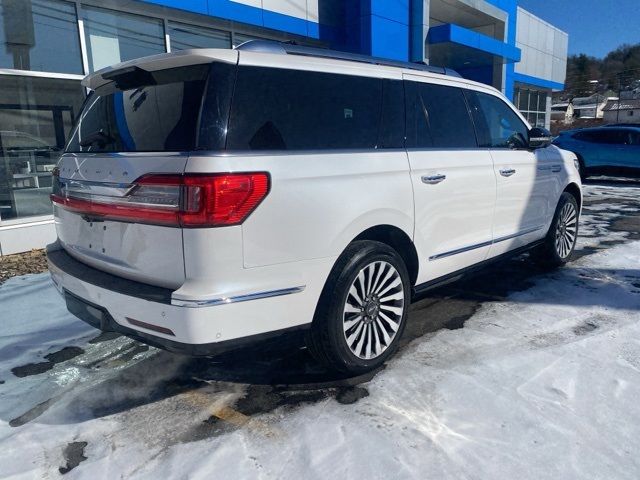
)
(235, 299)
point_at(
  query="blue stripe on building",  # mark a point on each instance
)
(392, 29)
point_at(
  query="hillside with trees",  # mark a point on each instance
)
(618, 71)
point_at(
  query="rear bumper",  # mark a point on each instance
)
(146, 312)
(98, 317)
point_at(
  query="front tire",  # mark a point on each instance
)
(363, 309)
(561, 239)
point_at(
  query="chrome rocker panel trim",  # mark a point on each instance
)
(484, 244)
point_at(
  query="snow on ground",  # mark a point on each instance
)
(543, 384)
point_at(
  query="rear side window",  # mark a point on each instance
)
(393, 117)
(437, 117)
(143, 112)
(497, 125)
(280, 109)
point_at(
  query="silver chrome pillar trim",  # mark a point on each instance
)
(197, 303)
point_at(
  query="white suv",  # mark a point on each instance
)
(210, 198)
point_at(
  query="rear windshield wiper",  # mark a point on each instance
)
(98, 137)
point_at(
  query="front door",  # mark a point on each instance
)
(453, 180)
(524, 176)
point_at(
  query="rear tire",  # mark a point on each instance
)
(362, 310)
(561, 239)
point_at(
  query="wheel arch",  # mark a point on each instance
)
(574, 189)
(397, 239)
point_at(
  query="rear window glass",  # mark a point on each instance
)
(143, 111)
(279, 109)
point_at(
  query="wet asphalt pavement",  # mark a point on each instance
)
(281, 373)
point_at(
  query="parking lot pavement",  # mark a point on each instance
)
(516, 372)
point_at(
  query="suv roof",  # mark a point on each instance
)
(284, 48)
(632, 125)
(205, 55)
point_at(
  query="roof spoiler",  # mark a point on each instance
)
(135, 70)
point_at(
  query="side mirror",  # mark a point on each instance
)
(539, 138)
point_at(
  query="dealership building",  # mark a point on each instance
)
(48, 46)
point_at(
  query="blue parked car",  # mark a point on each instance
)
(613, 150)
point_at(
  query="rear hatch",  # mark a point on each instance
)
(119, 196)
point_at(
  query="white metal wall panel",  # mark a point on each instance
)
(304, 9)
(544, 48)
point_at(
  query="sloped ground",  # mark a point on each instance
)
(517, 373)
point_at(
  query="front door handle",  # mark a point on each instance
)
(433, 179)
(507, 172)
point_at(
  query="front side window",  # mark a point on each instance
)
(586, 137)
(498, 126)
(39, 35)
(114, 37)
(279, 109)
(156, 112)
(438, 117)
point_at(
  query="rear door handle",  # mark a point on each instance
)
(507, 172)
(433, 179)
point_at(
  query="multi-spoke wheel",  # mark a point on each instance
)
(362, 310)
(561, 239)
(373, 310)
(566, 230)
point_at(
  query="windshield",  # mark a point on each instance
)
(151, 111)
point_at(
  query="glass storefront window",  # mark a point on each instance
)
(533, 105)
(523, 99)
(39, 35)
(184, 37)
(36, 117)
(114, 37)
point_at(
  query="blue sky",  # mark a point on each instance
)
(595, 27)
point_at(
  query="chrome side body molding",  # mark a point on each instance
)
(484, 244)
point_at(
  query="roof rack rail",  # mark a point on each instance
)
(287, 48)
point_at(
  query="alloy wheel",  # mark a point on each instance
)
(373, 310)
(566, 230)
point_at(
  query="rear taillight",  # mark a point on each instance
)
(189, 201)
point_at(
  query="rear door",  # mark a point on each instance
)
(453, 181)
(111, 211)
(627, 147)
(525, 178)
